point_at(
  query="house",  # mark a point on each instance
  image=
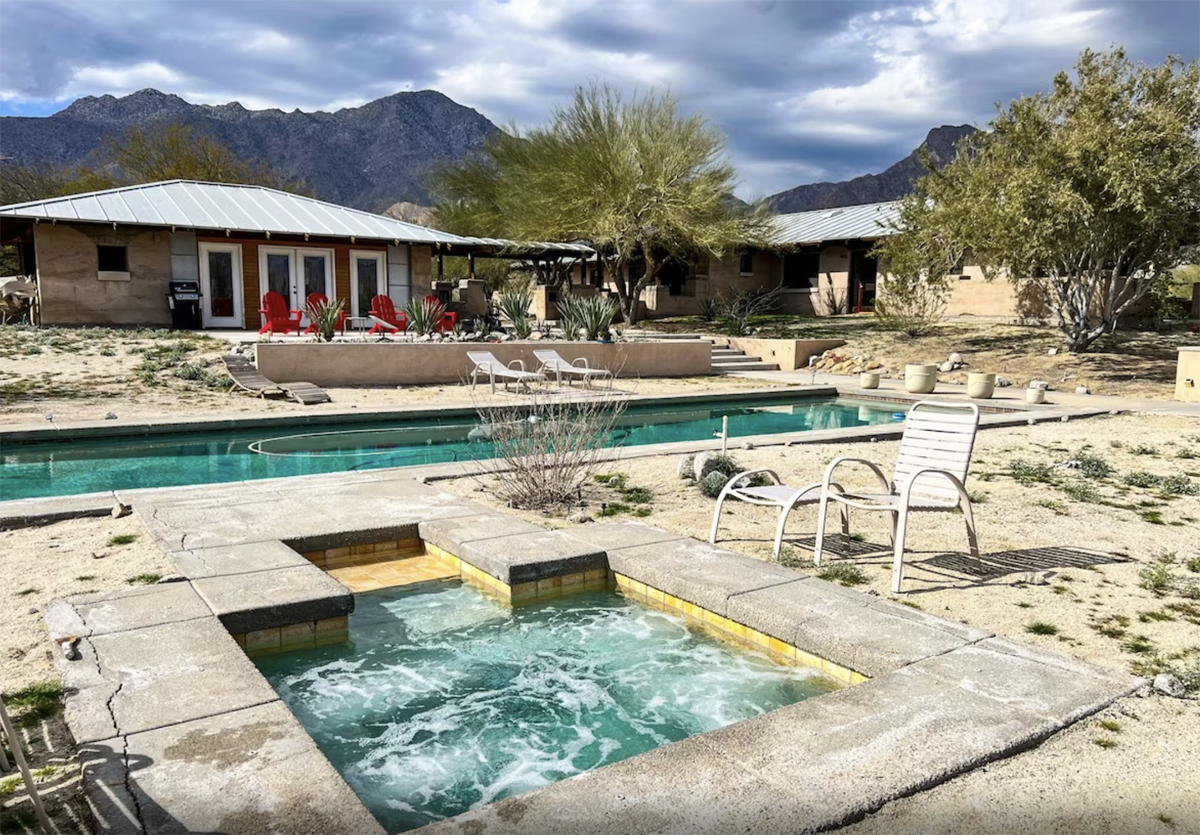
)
(823, 264)
(106, 257)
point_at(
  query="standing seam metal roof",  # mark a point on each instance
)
(244, 208)
(869, 220)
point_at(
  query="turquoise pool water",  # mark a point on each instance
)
(445, 699)
(60, 468)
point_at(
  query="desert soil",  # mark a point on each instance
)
(1127, 364)
(1091, 596)
(88, 373)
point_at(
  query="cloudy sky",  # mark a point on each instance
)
(805, 91)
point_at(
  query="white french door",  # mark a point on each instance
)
(221, 285)
(295, 272)
(368, 279)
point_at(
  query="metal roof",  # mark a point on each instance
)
(869, 220)
(243, 208)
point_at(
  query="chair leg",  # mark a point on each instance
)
(820, 528)
(783, 515)
(972, 537)
(712, 534)
(898, 545)
(892, 530)
(845, 519)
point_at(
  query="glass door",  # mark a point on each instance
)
(295, 272)
(368, 279)
(221, 285)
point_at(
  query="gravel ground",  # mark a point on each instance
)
(1100, 612)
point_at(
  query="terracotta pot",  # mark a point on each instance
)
(869, 380)
(920, 379)
(980, 386)
(1035, 395)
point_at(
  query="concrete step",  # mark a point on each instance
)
(725, 367)
(738, 358)
(656, 335)
(727, 352)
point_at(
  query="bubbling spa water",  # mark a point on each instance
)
(445, 699)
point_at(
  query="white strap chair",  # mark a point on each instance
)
(935, 454)
(777, 495)
(486, 363)
(554, 363)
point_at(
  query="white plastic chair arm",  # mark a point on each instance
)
(837, 462)
(581, 360)
(518, 362)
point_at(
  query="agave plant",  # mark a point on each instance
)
(514, 304)
(424, 315)
(591, 314)
(325, 318)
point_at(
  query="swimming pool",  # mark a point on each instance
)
(60, 468)
(445, 699)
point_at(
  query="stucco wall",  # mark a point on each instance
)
(421, 263)
(789, 354)
(68, 276)
(1188, 369)
(398, 363)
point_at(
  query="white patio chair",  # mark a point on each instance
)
(553, 362)
(777, 495)
(486, 363)
(935, 454)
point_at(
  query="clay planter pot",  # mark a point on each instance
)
(920, 379)
(980, 386)
(869, 380)
(1035, 395)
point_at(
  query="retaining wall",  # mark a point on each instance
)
(789, 354)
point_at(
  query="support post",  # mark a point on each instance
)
(441, 266)
(471, 265)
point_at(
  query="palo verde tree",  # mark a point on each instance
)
(1094, 185)
(916, 259)
(636, 179)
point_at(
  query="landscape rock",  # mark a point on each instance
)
(1003, 382)
(703, 464)
(121, 510)
(1039, 384)
(946, 366)
(685, 469)
(1082, 390)
(580, 517)
(956, 359)
(1170, 685)
(713, 483)
(747, 445)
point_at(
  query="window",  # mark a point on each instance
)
(746, 264)
(112, 259)
(802, 269)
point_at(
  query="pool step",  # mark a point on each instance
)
(382, 565)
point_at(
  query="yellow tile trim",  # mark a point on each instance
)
(732, 630)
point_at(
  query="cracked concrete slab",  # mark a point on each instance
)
(847, 627)
(154, 676)
(526, 557)
(222, 560)
(116, 611)
(698, 572)
(241, 773)
(279, 597)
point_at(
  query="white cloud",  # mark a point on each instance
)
(117, 80)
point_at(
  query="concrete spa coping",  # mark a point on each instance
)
(179, 732)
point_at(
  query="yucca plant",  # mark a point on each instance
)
(591, 314)
(710, 309)
(514, 304)
(325, 318)
(424, 315)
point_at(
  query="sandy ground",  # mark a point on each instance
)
(1128, 364)
(1099, 611)
(65, 374)
(55, 561)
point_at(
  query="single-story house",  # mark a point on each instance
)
(821, 259)
(107, 257)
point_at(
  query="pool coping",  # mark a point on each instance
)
(941, 699)
(17, 513)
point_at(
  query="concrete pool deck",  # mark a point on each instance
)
(181, 733)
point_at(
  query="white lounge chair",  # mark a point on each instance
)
(553, 362)
(486, 363)
(935, 454)
(777, 495)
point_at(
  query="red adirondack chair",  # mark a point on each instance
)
(384, 311)
(319, 300)
(279, 318)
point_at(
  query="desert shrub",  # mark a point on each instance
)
(324, 318)
(1158, 578)
(424, 315)
(737, 310)
(1178, 485)
(1141, 478)
(1081, 491)
(1041, 628)
(1092, 465)
(835, 303)
(514, 304)
(1027, 472)
(713, 483)
(543, 459)
(720, 469)
(592, 315)
(911, 305)
(710, 309)
(846, 573)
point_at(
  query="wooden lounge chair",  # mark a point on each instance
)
(279, 318)
(552, 362)
(247, 377)
(930, 471)
(385, 317)
(318, 300)
(486, 363)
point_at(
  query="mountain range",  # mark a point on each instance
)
(371, 157)
(891, 184)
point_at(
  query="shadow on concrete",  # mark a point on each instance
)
(110, 780)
